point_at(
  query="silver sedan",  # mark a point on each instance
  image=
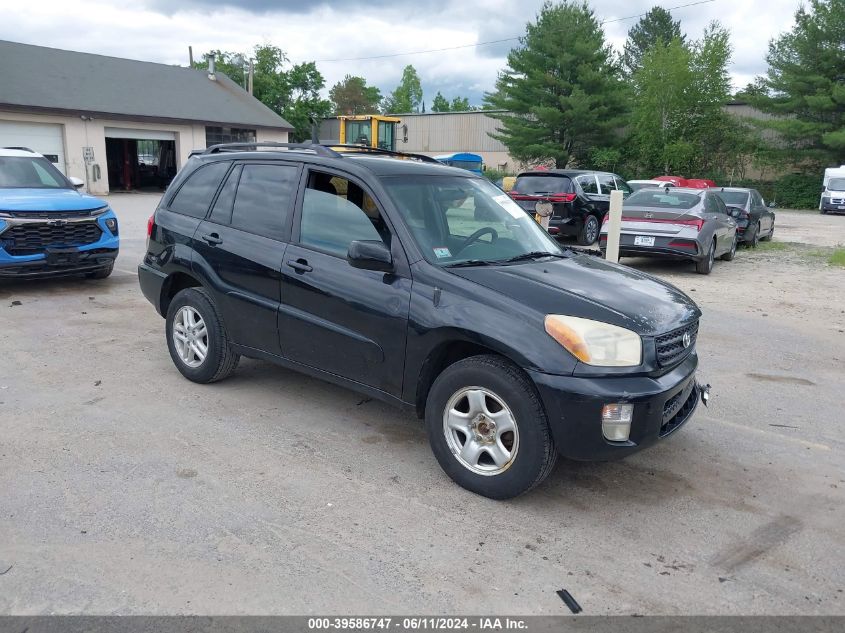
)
(676, 222)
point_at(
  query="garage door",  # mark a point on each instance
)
(44, 138)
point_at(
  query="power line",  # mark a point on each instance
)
(506, 39)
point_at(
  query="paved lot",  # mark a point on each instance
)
(126, 489)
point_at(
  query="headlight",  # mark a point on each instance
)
(594, 342)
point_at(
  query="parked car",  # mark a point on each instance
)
(636, 185)
(754, 220)
(833, 191)
(374, 273)
(677, 223)
(579, 199)
(47, 227)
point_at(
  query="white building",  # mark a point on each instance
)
(117, 123)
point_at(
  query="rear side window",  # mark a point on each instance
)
(533, 185)
(606, 183)
(262, 203)
(588, 184)
(194, 196)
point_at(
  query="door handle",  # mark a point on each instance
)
(213, 239)
(300, 265)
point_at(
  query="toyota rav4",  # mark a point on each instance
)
(427, 287)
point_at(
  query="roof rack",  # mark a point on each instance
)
(320, 150)
(365, 149)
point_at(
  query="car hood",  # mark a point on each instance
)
(592, 288)
(47, 200)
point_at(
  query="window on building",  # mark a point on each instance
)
(217, 135)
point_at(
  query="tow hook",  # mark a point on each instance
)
(705, 393)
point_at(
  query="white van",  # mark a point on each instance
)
(833, 192)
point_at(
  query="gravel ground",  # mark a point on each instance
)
(126, 489)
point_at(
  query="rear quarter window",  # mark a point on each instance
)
(196, 193)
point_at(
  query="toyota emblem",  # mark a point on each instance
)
(687, 340)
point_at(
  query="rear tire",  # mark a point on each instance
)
(101, 273)
(755, 242)
(200, 347)
(589, 232)
(728, 257)
(469, 412)
(705, 266)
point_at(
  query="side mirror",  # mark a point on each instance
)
(370, 255)
(77, 183)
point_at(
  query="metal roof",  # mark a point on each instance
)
(51, 79)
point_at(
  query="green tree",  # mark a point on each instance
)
(459, 104)
(352, 95)
(805, 86)
(561, 90)
(655, 26)
(290, 90)
(678, 122)
(408, 95)
(440, 103)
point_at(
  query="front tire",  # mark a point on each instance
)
(197, 339)
(487, 428)
(589, 232)
(705, 266)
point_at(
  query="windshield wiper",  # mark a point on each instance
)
(472, 262)
(534, 255)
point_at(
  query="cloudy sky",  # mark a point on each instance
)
(325, 31)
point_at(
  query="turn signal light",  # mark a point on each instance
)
(616, 421)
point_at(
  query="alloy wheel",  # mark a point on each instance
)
(480, 430)
(190, 336)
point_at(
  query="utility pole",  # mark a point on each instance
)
(191, 56)
(251, 74)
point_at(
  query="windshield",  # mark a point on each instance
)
(30, 172)
(836, 184)
(733, 198)
(662, 199)
(455, 219)
(543, 184)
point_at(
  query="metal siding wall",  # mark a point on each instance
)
(446, 133)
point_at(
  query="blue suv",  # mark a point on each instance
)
(47, 227)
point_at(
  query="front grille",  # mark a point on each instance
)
(670, 346)
(35, 237)
(837, 201)
(683, 413)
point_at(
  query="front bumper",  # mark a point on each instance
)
(61, 259)
(831, 207)
(573, 405)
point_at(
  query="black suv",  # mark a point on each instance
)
(427, 287)
(579, 199)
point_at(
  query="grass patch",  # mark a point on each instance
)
(774, 246)
(837, 257)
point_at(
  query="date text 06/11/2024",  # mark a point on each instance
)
(417, 623)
